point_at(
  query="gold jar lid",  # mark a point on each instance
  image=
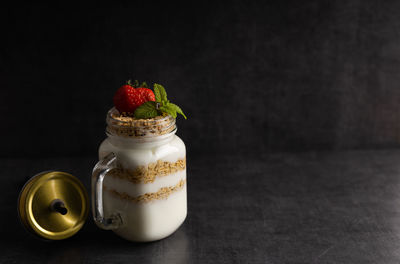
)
(53, 205)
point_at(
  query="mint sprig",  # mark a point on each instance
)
(146, 110)
(160, 93)
(161, 106)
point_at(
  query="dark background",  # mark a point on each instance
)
(253, 77)
(292, 133)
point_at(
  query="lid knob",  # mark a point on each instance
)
(58, 206)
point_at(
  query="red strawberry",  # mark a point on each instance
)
(128, 98)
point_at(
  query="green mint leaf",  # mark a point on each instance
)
(177, 109)
(157, 94)
(169, 110)
(160, 93)
(146, 110)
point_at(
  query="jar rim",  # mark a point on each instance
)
(114, 111)
(130, 127)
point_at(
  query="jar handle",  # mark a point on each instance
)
(99, 172)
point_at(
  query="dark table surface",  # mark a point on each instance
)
(315, 207)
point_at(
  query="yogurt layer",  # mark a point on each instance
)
(131, 155)
(149, 221)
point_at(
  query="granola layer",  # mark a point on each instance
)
(147, 174)
(162, 193)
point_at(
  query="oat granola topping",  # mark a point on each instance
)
(130, 127)
(147, 174)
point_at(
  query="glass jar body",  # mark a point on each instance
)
(147, 187)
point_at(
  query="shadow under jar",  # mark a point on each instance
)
(139, 184)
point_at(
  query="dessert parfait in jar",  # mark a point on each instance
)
(139, 184)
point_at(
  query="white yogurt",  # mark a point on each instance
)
(133, 154)
(149, 221)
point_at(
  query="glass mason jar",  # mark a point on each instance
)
(139, 184)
